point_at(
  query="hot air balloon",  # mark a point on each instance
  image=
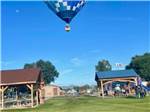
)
(66, 9)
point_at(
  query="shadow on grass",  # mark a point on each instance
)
(130, 97)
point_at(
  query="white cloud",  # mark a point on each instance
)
(66, 71)
(76, 61)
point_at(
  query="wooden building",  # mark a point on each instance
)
(53, 91)
(21, 88)
(109, 77)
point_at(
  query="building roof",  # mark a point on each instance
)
(115, 74)
(19, 76)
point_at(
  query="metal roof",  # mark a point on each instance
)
(115, 74)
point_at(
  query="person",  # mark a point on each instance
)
(117, 90)
(138, 91)
(106, 90)
(143, 93)
(123, 91)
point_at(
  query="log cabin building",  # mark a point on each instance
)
(21, 88)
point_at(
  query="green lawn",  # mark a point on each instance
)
(92, 104)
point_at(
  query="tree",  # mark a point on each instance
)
(77, 88)
(103, 65)
(141, 64)
(85, 87)
(49, 72)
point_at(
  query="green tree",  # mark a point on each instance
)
(49, 72)
(141, 64)
(103, 65)
(77, 88)
(85, 87)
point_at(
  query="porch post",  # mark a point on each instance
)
(136, 83)
(32, 90)
(129, 88)
(102, 90)
(37, 103)
(2, 97)
(32, 98)
(3, 90)
(98, 88)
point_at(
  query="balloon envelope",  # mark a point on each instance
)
(66, 9)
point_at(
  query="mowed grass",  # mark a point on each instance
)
(91, 104)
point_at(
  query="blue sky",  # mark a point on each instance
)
(115, 31)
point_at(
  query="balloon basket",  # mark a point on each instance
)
(67, 28)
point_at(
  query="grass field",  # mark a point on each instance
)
(91, 104)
